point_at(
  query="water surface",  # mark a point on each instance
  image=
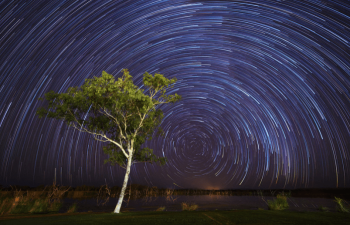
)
(205, 202)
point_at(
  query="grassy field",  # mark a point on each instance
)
(185, 217)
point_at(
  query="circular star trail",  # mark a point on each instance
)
(264, 85)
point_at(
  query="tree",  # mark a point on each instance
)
(116, 112)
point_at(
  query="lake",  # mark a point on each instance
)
(205, 202)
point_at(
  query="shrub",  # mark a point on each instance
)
(5, 205)
(20, 205)
(103, 194)
(280, 203)
(340, 205)
(55, 206)
(160, 209)
(31, 203)
(188, 207)
(73, 208)
(193, 207)
(323, 209)
(40, 206)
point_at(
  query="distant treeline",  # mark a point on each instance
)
(136, 190)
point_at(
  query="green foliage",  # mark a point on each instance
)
(341, 205)
(21, 207)
(323, 209)
(55, 206)
(287, 194)
(116, 112)
(280, 203)
(161, 209)
(10, 206)
(40, 206)
(5, 204)
(188, 207)
(73, 208)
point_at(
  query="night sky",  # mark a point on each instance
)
(264, 85)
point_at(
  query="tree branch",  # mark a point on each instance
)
(117, 122)
(83, 129)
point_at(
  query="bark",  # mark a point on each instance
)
(126, 178)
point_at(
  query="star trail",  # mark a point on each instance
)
(264, 85)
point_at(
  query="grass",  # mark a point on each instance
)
(19, 203)
(73, 208)
(185, 217)
(188, 206)
(160, 209)
(280, 203)
(39, 206)
(323, 209)
(341, 205)
(10, 205)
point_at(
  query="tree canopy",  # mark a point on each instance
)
(116, 112)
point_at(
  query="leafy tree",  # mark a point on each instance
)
(116, 112)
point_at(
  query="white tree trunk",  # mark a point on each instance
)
(126, 178)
